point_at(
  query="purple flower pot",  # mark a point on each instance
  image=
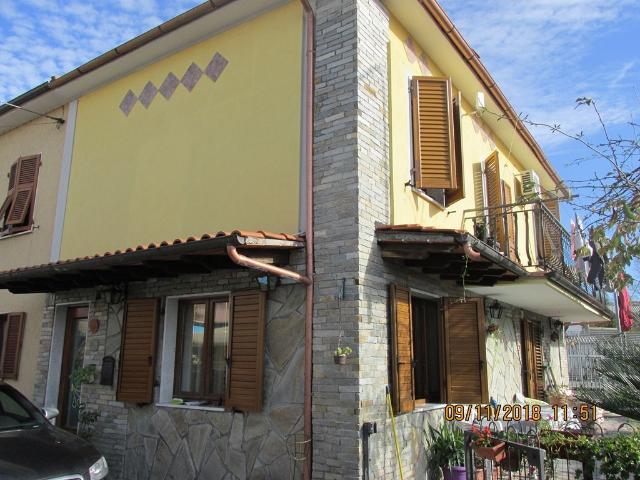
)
(454, 473)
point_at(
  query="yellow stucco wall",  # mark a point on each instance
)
(407, 59)
(225, 155)
(33, 248)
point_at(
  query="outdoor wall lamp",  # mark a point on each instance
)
(495, 310)
(267, 282)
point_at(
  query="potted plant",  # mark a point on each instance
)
(493, 328)
(340, 355)
(486, 446)
(445, 450)
(557, 395)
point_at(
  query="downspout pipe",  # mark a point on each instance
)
(244, 261)
(310, 27)
(471, 253)
(307, 279)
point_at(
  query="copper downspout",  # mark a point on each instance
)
(310, 23)
(245, 261)
(471, 253)
(308, 279)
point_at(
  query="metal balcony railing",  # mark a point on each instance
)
(529, 234)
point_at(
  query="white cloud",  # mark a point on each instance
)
(44, 38)
(541, 53)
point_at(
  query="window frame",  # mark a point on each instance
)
(207, 349)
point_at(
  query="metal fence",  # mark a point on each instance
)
(582, 357)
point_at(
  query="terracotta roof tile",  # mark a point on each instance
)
(165, 243)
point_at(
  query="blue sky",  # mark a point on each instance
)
(543, 53)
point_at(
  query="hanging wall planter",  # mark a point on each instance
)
(341, 354)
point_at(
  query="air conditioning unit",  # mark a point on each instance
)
(530, 184)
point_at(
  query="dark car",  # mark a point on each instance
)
(31, 448)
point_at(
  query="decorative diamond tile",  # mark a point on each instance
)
(149, 92)
(128, 102)
(191, 76)
(217, 64)
(169, 85)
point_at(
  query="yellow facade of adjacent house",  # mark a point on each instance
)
(207, 138)
(38, 144)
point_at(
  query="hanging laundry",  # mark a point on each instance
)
(624, 310)
(596, 270)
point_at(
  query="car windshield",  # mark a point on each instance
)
(15, 411)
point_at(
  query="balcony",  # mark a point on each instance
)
(530, 235)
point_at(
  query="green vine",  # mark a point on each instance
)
(86, 417)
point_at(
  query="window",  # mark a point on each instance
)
(427, 332)
(212, 351)
(437, 351)
(201, 353)
(16, 211)
(437, 139)
(11, 333)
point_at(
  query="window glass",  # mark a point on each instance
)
(193, 335)
(13, 414)
(220, 336)
(201, 363)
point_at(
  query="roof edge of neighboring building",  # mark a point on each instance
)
(119, 51)
(454, 36)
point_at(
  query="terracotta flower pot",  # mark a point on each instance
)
(340, 359)
(495, 452)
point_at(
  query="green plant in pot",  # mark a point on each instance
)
(340, 355)
(487, 446)
(445, 451)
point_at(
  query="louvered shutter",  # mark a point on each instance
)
(533, 359)
(538, 360)
(494, 197)
(12, 346)
(433, 137)
(466, 370)
(24, 190)
(401, 350)
(511, 227)
(137, 355)
(9, 198)
(457, 193)
(552, 233)
(246, 351)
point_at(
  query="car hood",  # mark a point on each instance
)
(43, 452)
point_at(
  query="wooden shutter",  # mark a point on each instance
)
(9, 198)
(137, 355)
(246, 351)
(12, 346)
(533, 359)
(466, 369)
(433, 137)
(511, 227)
(401, 350)
(494, 197)
(24, 190)
(457, 193)
(554, 207)
(552, 234)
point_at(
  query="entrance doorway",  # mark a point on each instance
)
(75, 339)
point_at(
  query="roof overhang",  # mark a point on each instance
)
(190, 256)
(432, 29)
(550, 297)
(441, 252)
(189, 28)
